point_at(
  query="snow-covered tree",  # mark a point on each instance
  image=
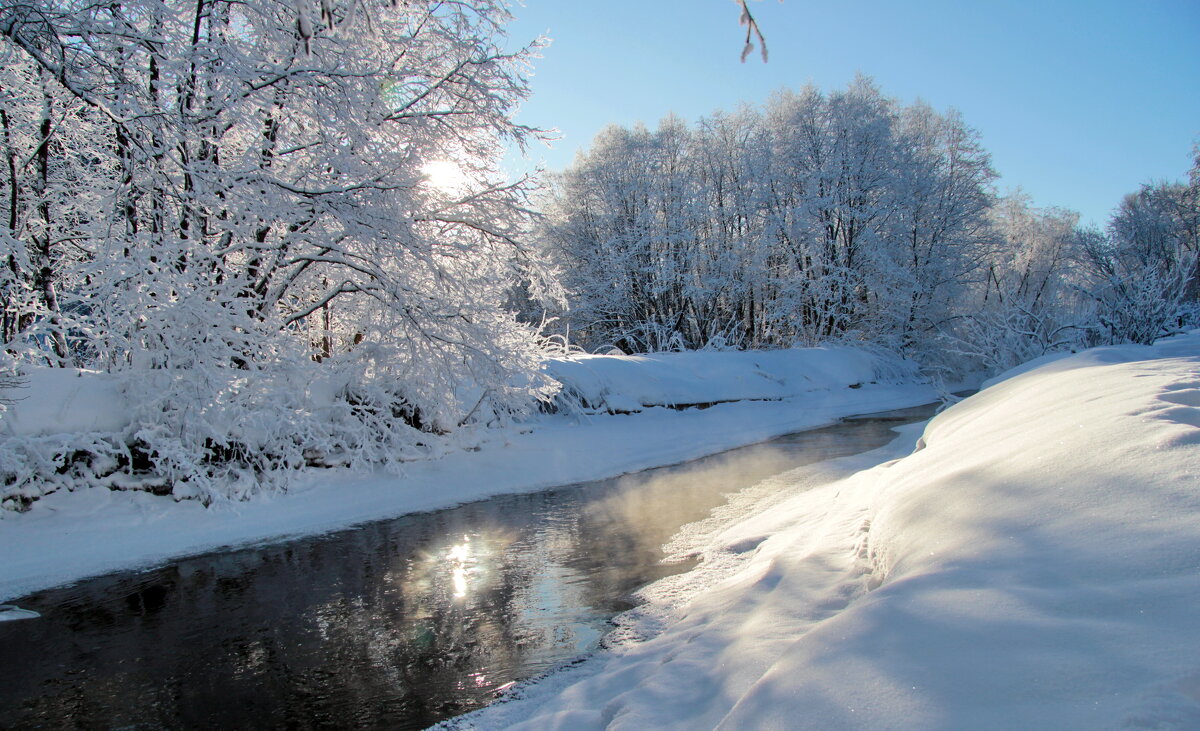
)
(56, 174)
(1144, 274)
(1028, 301)
(941, 228)
(621, 225)
(834, 169)
(822, 217)
(264, 185)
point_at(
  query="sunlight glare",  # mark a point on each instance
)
(460, 554)
(445, 176)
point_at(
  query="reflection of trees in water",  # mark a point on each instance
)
(364, 628)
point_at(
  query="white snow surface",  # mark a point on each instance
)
(70, 535)
(1033, 562)
(633, 382)
(61, 400)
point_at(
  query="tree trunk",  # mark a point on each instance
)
(43, 244)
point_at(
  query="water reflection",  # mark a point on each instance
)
(392, 625)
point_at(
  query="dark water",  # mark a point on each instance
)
(396, 624)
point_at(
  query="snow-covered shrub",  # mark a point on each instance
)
(34, 466)
(217, 434)
(1003, 336)
(889, 367)
(1143, 273)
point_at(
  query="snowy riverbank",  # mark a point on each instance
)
(1034, 563)
(69, 535)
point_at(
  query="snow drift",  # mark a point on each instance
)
(1035, 562)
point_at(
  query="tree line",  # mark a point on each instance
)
(845, 215)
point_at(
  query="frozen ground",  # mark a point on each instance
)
(1033, 562)
(69, 535)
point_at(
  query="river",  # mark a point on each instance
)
(396, 624)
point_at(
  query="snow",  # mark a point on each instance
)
(61, 400)
(1032, 559)
(70, 535)
(10, 613)
(631, 383)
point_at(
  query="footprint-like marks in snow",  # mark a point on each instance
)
(1182, 407)
(746, 544)
(1183, 397)
(1185, 394)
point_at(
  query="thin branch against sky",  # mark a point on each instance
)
(753, 31)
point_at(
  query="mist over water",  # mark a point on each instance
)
(395, 624)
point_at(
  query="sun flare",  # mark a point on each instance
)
(445, 176)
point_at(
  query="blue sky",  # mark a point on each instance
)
(1079, 102)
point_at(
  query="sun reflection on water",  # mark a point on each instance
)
(460, 556)
(462, 571)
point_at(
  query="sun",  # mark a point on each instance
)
(445, 176)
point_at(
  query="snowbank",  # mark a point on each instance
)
(227, 437)
(1035, 563)
(633, 382)
(64, 400)
(68, 535)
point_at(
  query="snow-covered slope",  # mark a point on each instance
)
(1035, 563)
(66, 400)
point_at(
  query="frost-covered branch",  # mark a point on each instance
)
(209, 195)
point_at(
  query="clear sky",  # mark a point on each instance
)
(1078, 101)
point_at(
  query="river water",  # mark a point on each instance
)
(396, 624)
